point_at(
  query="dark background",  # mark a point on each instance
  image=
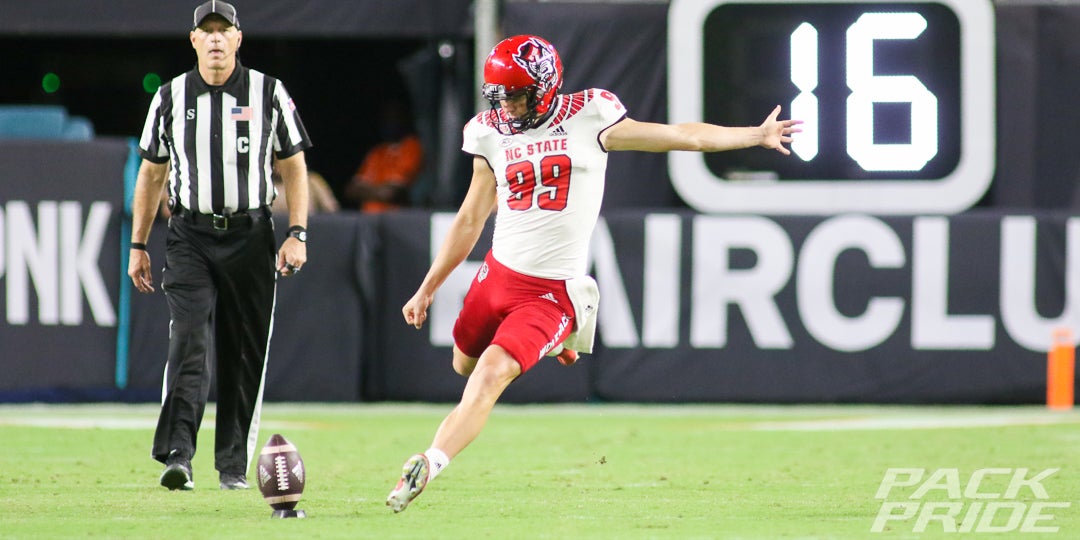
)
(338, 85)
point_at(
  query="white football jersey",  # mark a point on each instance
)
(550, 182)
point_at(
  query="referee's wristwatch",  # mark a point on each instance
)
(298, 232)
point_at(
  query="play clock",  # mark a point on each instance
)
(897, 100)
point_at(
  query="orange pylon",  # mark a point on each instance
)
(1060, 371)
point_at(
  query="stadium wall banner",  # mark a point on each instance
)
(695, 307)
(849, 307)
(59, 239)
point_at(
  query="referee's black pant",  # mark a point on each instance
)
(222, 279)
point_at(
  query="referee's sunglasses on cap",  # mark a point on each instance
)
(215, 7)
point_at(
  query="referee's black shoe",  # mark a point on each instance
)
(177, 475)
(230, 481)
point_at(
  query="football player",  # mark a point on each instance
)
(540, 160)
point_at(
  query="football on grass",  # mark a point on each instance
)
(281, 473)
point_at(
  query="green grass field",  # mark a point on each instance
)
(559, 472)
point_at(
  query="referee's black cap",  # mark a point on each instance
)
(223, 9)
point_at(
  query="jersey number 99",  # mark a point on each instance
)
(548, 190)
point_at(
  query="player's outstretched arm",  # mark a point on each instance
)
(700, 137)
(464, 232)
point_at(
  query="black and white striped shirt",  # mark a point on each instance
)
(222, 139)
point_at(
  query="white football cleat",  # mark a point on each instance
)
(414, 476)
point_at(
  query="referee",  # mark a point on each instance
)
(225, 129)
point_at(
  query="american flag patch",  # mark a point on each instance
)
(292, 106)
(241, 114)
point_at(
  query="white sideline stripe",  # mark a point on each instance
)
(81, 423)
(729, 417)
(117, 423)
(856, 424)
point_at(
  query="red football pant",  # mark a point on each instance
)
(526, 316)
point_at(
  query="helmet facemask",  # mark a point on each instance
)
(495, 93)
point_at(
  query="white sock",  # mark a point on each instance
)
(438, 460)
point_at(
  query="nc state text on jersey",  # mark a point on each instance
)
(551, 145)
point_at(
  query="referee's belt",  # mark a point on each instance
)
(223, 222)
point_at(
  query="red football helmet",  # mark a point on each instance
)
(523, 64)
